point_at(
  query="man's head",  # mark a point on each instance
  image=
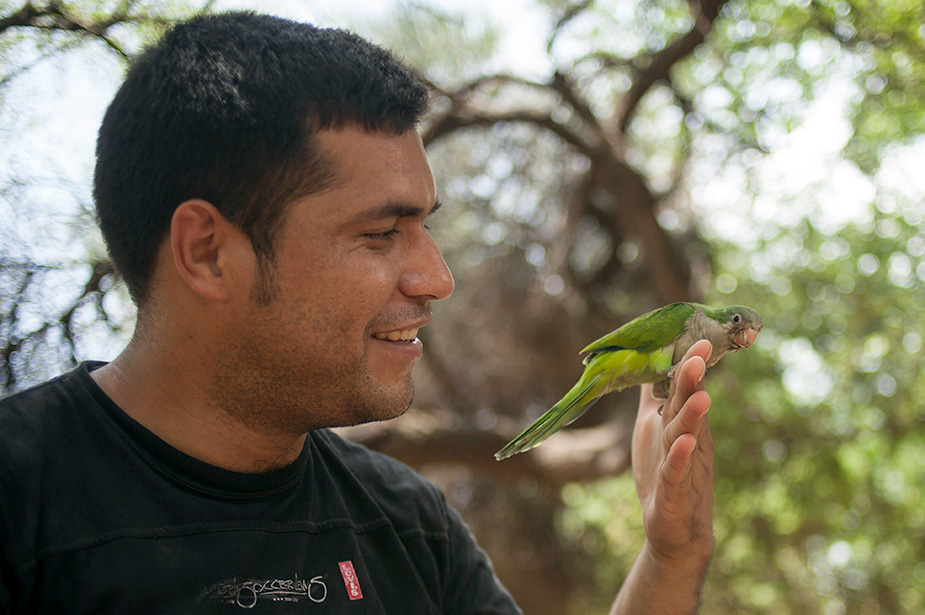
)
(226, 108)
(263, 191)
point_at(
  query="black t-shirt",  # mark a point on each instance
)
(98, 515)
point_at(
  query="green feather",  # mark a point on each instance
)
(647, 332)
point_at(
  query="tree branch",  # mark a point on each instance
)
(469, 118)
(568, 15)
(13, 343)
(92, 288)
(656, 67)
(609, 170)
(56, 16)
(563, 85)
(422, 439)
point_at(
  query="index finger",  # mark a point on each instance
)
(689, 376)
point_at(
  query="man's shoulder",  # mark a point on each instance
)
(36, 417)
(37, 425)
(29, 406)
(42, 403)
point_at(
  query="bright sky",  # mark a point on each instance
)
(524, 23)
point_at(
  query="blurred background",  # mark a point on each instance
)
(596, 160)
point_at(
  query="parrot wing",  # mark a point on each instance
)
(646, 333)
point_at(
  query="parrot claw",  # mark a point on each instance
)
(660, 389)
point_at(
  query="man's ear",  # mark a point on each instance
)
(201, 240)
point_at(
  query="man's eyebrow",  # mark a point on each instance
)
(399, 210)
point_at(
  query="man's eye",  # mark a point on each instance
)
(389, 234)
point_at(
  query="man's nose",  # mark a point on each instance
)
(427, 274)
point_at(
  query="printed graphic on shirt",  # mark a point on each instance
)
(350, 580)
(246, 592)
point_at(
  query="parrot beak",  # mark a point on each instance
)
(746, 337)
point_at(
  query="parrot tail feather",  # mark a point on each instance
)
(575, 403)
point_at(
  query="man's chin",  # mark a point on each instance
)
(385, 406)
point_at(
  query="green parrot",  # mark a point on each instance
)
(646, 349)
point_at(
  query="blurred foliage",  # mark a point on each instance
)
(824, 474)
(772, 57)
(35, 31)
(60, 300)
(820, 447)
(819, 429)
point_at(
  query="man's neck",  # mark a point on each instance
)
(169, 396)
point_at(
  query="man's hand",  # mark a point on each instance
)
(673, 471)
(673, 463)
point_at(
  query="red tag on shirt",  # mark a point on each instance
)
(350, 580)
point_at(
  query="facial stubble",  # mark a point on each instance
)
(277, 383)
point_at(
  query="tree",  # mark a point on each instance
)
(579, 182)
(54, 300)
(579, 199)
(635, 165)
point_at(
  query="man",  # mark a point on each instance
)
(263, 191)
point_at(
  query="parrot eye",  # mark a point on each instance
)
(736, 319)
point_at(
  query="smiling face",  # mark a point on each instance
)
(355, 273)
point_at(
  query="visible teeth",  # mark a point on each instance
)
(406, 335)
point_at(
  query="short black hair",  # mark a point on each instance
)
(223, 108)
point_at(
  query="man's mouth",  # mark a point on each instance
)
(405, 335)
